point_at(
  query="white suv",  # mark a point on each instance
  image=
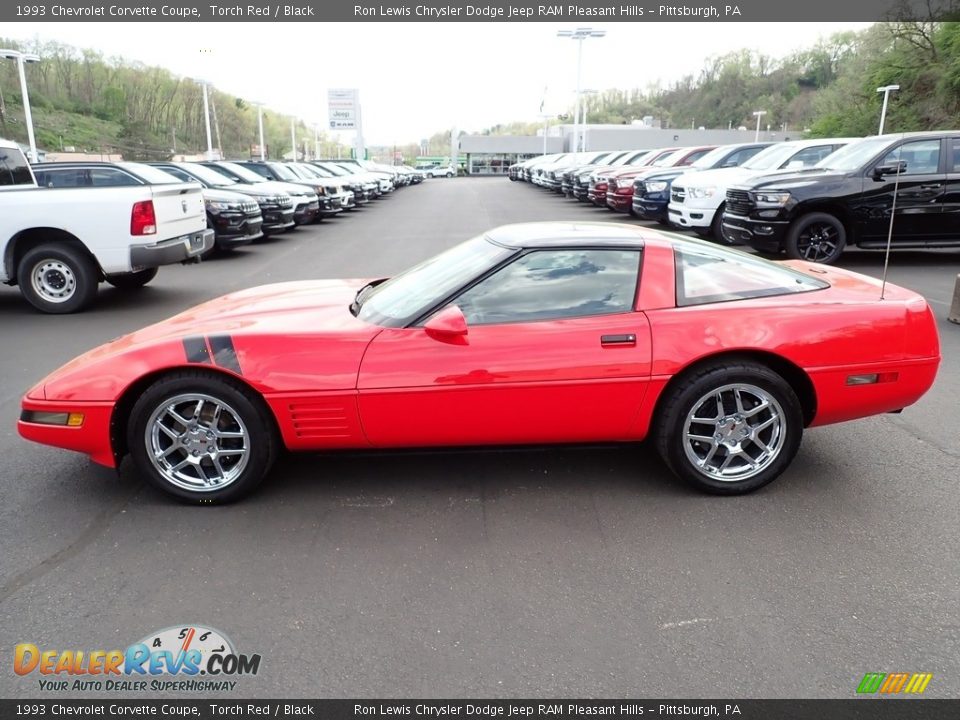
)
(697, 198)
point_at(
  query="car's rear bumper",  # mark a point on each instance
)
(837, 401)
(92, 437)
(167, 252)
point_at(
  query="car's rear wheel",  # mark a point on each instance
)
(58, 278)
(816, 237)
(730, 428)
(132, 280)
(201, 437)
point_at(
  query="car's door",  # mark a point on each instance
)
(951, 195)
(920, 191)
(554, 351)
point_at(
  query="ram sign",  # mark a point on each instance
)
(343, 108)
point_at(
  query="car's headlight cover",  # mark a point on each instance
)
(655, 186)
(219, 205)
(701, 192)
(771, 199)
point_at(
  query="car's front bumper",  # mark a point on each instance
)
(650, 209)
(690, 216)
(306, 212)
(618, 202)
(91, 437)
(175, 250)
(763, 235)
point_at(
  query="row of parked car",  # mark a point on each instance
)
(67, 226)
(808, 199)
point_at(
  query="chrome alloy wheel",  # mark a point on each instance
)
(197, 442)
(734, 432)
(53, 280)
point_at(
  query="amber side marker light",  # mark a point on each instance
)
(41, 417)
(872, 378)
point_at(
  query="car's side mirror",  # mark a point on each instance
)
(896, 168)
(449, 325)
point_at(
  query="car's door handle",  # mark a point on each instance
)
(937, 186)
(625, 339)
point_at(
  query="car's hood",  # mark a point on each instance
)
(789, 179)
(218, 195)
(307, 306)
(720, 176)
(265, 328)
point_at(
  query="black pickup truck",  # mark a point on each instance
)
(848, 199)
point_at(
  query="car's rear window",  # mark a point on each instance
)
(708, 274)
(13, 168)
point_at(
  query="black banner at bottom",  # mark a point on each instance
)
(854, 709)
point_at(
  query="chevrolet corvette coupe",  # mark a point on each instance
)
(528, 334)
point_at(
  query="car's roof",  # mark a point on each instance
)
(565, 234)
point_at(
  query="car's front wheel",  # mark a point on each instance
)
(201, 437)
(816, 237)
(730, 428)
(132, 280)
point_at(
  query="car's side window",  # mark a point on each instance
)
(68, 177)
(111, 177)
(922, 157)
(555, 284)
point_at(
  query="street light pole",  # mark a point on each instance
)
(546, 124)
(21, 59)
(886, 89)
(206, 116)
(579, 34)
(293, 137)
(758, 114)
(316, 141)
(263, 152)
(583, 117)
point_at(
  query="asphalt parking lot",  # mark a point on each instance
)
(534, 572)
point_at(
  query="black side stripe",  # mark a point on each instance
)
(196, 350)
(223, 353)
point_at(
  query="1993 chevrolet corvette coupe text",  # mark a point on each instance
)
(528, 334)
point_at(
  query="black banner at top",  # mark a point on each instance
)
(476, 11)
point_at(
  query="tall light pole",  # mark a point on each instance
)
(546, 124)
(293, 137)
(584, 118)
(21, 59)
(316, 141)
(263, 152)
(206, 117)
(579, 34)
(886, 89)
(758, 114)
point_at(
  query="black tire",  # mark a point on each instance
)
(59, 278)
(692, 395)
(242, 411)
(816, 237)
(132, 280)
(716, 226)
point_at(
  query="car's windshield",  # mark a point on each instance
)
(855, 155)
(154, 176)
(205, 174)
(322, 171)
(773, 157)
(336, 169)
(713, 157)
(671, 159)
(404, 298)
(282, 172)
(637, 158)
(241, 172)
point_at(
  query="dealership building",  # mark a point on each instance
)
(493, 154)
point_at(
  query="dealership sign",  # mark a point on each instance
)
(343, 107)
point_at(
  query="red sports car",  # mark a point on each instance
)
(539, 333)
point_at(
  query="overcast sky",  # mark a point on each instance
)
(418, 78)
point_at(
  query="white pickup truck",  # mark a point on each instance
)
(58, 244)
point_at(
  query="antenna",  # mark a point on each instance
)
(893, 211)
